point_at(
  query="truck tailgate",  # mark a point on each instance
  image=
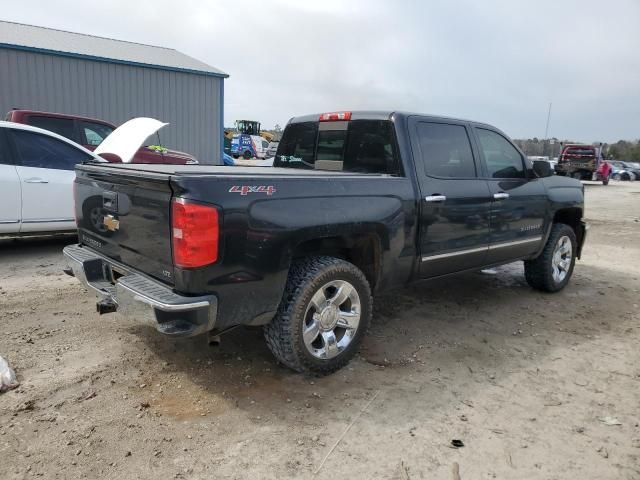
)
(125, 215)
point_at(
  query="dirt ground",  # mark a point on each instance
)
(535, 385)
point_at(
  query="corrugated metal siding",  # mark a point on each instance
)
(116, 93)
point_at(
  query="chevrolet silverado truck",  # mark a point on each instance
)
(357, 203)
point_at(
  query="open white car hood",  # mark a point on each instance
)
(125, 140)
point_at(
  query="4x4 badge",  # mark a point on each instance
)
(247, 189)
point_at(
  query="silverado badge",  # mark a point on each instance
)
(111, 223)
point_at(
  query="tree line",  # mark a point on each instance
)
(621, 150)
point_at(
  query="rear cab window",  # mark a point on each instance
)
(359, 146)
(580, 152)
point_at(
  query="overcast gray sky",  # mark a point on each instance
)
(497, 61)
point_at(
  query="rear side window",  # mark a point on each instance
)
(580, 152)
(61, 126)
(94, 133)
(297, 147)
(41, 151)
(446, 150)
(502, 158)
(363, 146)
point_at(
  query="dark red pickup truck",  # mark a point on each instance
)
(90, 133)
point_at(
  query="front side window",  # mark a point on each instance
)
(61, 126)
(41, 151)
(363, 146)
(446, 150)
(502, 159)
(94, 133)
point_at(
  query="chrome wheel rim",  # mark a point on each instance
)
(561, 260)
(331, 319)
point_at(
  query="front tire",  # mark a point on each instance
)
(552, 269)
(247, 155)
(324, 314)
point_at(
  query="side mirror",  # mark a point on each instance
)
(542, 168)
(110, 157)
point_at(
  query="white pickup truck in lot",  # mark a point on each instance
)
(37, 170)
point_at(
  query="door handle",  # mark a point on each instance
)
(435, 198)
(35, 180)
(500, 196)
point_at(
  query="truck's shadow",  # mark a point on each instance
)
(473, 320)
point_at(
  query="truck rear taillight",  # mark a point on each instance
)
(195, 233)
(334, 116)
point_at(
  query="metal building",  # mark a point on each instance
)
(113, 80)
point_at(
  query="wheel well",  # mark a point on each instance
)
(572, 217)
(363, 251)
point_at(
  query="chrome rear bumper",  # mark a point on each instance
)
(138, 296)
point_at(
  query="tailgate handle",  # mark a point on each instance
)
(110, 201)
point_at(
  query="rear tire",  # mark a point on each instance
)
(311, 335)
(552, 269)
(605, 180)
(247, 155)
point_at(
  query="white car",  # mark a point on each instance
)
(37, 173)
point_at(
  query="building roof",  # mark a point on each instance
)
(79, 45)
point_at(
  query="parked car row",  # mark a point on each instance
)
(625, 170)
(90, 133)
(37, 170)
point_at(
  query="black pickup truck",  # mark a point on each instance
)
(357, 203)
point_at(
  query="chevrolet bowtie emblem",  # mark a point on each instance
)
(111, 223)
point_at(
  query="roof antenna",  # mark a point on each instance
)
(546, 129)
